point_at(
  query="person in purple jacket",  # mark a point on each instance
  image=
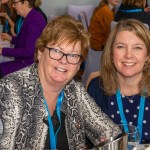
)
(24, 43)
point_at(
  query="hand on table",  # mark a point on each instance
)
(5, 36)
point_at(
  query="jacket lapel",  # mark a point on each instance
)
(73, 123)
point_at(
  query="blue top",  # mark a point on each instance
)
(131, 108)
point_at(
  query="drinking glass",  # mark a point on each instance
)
(133, 135)
(113, 140)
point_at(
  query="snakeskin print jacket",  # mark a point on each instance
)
(22, 111)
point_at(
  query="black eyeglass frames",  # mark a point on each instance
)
(57, 54)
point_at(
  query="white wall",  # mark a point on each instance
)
(148, 2)
(58, 7)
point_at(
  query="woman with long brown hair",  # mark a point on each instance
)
(123, 89)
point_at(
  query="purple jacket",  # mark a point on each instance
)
(24, 48)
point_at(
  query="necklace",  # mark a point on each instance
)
(130, 99)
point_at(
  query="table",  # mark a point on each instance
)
(5, 58)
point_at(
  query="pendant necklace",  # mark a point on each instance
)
(130, 99)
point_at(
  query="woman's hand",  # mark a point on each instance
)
(4, 15)
(11, 23)
(147, 9)
(5, 36)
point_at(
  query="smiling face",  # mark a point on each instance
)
(129, 54)
(58, 72)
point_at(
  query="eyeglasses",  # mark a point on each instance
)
(57, 55)
(16, 2)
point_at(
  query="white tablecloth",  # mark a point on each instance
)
(4, 58)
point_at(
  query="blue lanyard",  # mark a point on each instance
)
(6, 26)
(131, 10)
(19, 24)
(140, 115)
(53, 136)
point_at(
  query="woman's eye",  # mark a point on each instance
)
(120, 46)
(73, 55)
(56, 50)
(137, 48)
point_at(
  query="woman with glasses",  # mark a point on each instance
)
(42, 107)
(13, 22)
(24, 44)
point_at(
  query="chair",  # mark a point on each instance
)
(74, 10)
(50, 17)
(146, 25)
(83, 18)
(84, 13)
(92, 76)
(92, 64)
(113, 24)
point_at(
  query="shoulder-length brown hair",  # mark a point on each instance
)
(64, 29)
(108, 70)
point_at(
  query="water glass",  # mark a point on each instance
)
(113, 140)
(133, 135)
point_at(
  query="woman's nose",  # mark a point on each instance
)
(129, 53)
(63, 60)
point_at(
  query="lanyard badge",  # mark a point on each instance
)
(53, 136)
(140, 115)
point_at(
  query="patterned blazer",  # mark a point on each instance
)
(22, 112)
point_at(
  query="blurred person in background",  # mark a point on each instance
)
(134, 9)
(20, 19)
(99, 29)
(13, 26)
(24, 43)
(7, 16)
(100, 23)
